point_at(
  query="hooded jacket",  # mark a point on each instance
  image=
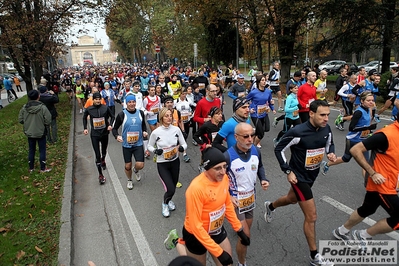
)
(35, 117)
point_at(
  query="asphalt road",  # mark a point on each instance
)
(116, 226)
(3, 94)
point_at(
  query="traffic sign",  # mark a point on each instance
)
(157, 49)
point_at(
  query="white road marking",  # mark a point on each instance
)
(349, 211)
(141, 242)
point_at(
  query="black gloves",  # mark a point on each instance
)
(244, 238)
(181, 149)
(225, 258)
(158, 151)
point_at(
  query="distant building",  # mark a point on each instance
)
(88, 51)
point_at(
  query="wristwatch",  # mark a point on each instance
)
(288, 171)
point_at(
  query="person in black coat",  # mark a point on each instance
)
(49, 99)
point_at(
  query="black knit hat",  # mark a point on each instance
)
(212, 157)
(33, 95)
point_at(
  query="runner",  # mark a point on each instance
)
(109, 97)
(134, 129)
(166, 142)
(347, 102)
(308, 142)
(151, 105)
(100, 127)
(261, 104)
(208, 131)
(80, 95)
(205, 104)
(359, 129)
(244, 162)
(207, 204)
(291, 109)
(240, 114)
(382, 185)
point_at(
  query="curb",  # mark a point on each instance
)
(66, 230)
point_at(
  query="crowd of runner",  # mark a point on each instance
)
(162, 104)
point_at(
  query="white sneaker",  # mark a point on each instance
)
(138, 176)
(319, 260)
(165, 210)
(80, 111)
(268, 212)
(130, 184)
(171, 205)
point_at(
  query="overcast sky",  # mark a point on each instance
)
(95, 31)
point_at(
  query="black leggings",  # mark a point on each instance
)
(169, 174)
(304, 116)
(262, 125)
(288, 122)
(348, 106)
(95, 142)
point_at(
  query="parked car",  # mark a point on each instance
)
(371, 63)
(375, 66)
(333, 64)
(335, 70)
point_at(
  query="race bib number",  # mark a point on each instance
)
(185, 117)
(310, 101)
(262, 109)
(170, 153)
(364, 134)
(295, 113)
(314, 158)
(201, 85)
(155, 110)
(99, 123)
(246, 201)
(241, 94)
(216, 219)
(132, 137)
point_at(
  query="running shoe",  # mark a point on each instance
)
(324, 167)
(165, 210)
(361, 240)
(186, 158)
(280, 110)
(171, 205)
(339, 236)
(137, 175)
(393, 118)
(338, 120)
(341, 127)
(275, 122)
(147, 154)
(319, 260)
(130, 184)
(103, 164)
(31, 171)
(377, 119)
(46, 170)
(268, 212)
(101, 179)
(171, 241)
(179, 185)
(195, 143)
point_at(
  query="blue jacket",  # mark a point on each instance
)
(7, 84)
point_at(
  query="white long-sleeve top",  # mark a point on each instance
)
(168, 139)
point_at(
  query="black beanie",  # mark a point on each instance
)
(212, 157)
(97, 95)
(33, 94)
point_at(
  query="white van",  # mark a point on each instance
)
(10, 67)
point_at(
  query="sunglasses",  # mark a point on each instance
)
(219, 168)
(247, 136)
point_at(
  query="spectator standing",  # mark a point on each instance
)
(17, 84)
(35, 117)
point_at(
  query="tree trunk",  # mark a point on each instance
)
(285, 43)
(259, 52)
(387, 33)
(38, 71)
